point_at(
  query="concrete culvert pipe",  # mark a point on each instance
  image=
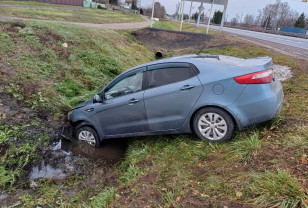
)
(158, 55)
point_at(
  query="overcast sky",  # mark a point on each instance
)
(234, 7)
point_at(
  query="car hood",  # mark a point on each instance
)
(82, 104)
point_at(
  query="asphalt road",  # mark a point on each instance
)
(296, 46)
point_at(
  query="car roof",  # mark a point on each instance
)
(210, 61)
(195, 58)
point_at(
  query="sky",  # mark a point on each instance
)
(235, 6)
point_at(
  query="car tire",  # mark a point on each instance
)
(88, 134)
(213, 124)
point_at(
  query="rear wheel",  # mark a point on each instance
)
(88, 135)
(213, 124)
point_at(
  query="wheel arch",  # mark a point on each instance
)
(80, 123)
(236, 122)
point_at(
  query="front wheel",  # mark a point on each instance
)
(88, 135)
(213, 124)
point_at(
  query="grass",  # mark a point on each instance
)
(32, 3)
(246, 149)
(76, 74)
(263, 166)
(172, 25)
(104, 199)
(97, 16)
(20, 152)
(273, 186)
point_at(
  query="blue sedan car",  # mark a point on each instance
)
(208, 95)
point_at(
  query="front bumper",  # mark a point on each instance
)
(67, 132)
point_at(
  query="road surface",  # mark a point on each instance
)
(295, 46)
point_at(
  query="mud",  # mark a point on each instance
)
(64, 157)
(164, 40)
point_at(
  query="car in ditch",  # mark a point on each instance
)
(209, 95)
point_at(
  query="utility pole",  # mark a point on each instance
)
(183, 5)
(224, 14)
(208, 23)
(152, 13)
(189, 18)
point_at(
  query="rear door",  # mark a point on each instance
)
(172, 91)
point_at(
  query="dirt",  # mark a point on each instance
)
(146, 194)
(194, 200)
(164, 40)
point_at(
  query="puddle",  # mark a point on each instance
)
(46, 171)
(65, 157)
(111, 151)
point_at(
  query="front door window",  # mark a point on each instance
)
(128, 85)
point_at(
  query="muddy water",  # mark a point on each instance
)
(64, 157)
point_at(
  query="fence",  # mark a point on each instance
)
(294, 30)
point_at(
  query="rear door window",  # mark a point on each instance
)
(164, 74)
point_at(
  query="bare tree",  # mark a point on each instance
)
(249, 20)
(280, 14)
(159, 11)
(177, 11)
(235, 20)
(135, 4)
(258, 19)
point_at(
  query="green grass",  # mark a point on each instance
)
(172, 25)
(14, 161)
(97, 16)
(270, 187)
(76, 73)
(103, 199)
(245, 149)
(18, 149)
(32, 3)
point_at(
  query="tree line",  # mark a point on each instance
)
(273, 16)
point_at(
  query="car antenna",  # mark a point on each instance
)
(201, 49)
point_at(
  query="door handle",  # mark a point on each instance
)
(187, 87)
(133, 101)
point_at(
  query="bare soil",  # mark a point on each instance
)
(179, 42)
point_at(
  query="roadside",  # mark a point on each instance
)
(289, 45)
(67, 14)
(284, 49)
(111, 26)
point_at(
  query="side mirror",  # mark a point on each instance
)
(97, 99)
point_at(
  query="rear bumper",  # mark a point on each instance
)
(258, 103)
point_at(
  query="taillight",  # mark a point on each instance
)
(261, 77)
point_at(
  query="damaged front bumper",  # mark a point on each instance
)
(67, 132)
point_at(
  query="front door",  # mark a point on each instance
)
(122, 110)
